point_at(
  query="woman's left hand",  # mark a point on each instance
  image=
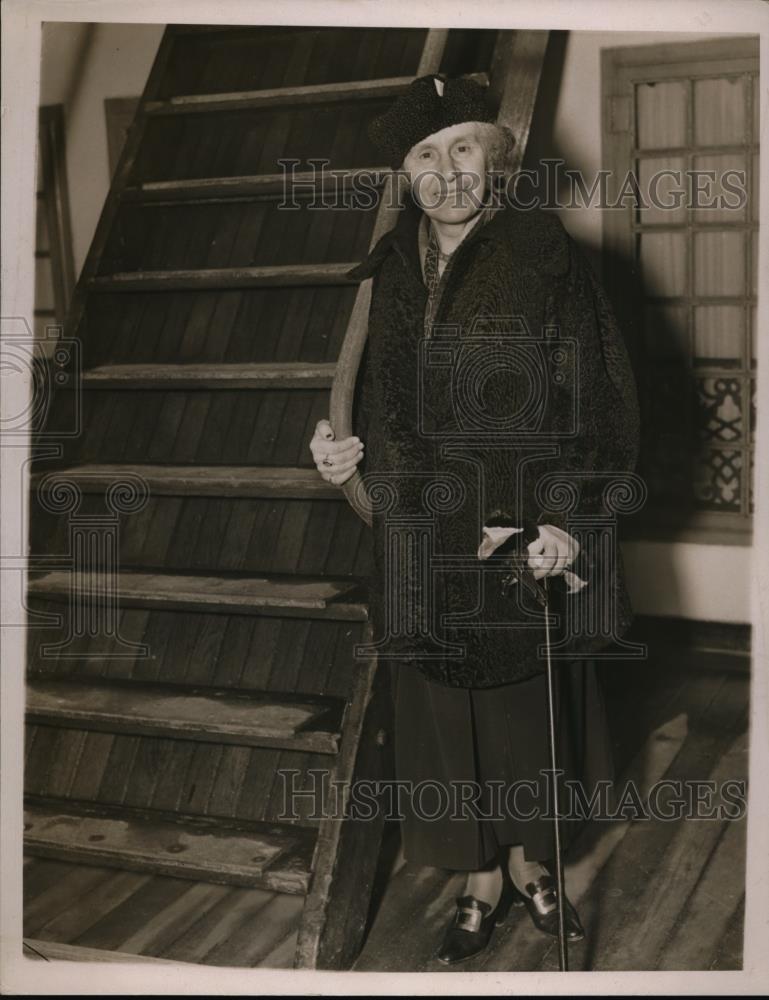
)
(549, 554)
(552, 551)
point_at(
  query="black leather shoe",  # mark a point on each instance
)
(541, 900)
(473, 924)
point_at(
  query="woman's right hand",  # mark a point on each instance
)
(336, 460)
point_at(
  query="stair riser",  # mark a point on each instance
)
(197, 649)
(209, 535)
(232, 143)
(261, 233)
(207, 60)
(220, 782)
(265, 57)
(257, 325)
(261, 427)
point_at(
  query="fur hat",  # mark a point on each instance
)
(430, 104)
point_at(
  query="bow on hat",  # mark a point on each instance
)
(430, 103)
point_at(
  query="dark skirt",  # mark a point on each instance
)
(493, 737)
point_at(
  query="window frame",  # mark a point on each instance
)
(622, 68)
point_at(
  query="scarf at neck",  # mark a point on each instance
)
(434, 262)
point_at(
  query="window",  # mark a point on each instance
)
(681, 121)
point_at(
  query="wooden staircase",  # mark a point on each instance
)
(167, 717)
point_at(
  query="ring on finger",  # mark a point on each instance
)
(327, 461)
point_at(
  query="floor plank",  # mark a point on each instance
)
(84, 913)
(729, 955)
(716, 899)
(248, 946)
(54, 951)
(171, 922)
(76, 883)
(282, 956)
(645, 928)
(135, 913)
(415, 897)
(218, 924)
(719, 893)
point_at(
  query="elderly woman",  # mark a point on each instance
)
(492, 362)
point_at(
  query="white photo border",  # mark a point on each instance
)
(21, 45)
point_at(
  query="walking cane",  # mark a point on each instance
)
(520, 573)
(563, 952)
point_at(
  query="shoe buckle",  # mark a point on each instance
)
(545, 900)
(469, 919)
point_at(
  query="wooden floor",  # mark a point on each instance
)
(651, 894)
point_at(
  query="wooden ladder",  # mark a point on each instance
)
(197, 591)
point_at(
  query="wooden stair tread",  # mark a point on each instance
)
(264, 855)
(213, 375)
(382, 89)
(322, 597)
(198, 480)
(224, 277)
(310, 723)
(253, 185)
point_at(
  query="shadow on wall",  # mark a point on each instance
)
(66, 48)
(78, 70)
(671, 411)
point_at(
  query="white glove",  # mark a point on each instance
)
(549, 554)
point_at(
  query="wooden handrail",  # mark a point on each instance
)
(513, 83)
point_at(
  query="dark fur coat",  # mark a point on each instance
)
(513, 408)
